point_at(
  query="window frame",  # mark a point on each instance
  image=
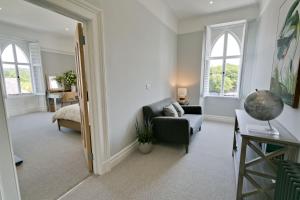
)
(16, 64)
(208, 58)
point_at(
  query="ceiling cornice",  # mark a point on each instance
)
(163, 12)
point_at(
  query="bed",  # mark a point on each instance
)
(69, 117)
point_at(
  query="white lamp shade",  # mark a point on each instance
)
(182, 92)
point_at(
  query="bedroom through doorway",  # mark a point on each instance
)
(43, 80)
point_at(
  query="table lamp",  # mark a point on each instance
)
(182, 94)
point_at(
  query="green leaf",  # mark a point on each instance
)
(291, 10)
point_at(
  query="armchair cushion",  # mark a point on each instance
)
(179, 109)
(170, 111)
(195, 121)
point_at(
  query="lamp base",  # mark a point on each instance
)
(183, 102)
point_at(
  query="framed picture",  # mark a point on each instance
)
(285, 76)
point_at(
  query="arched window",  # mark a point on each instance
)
(224, 65)
(16, 71)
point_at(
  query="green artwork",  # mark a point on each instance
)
(285, 74)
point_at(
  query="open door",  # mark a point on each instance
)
(83, 96)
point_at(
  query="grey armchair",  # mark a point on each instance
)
(173, 129)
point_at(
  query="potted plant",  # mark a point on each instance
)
(144, 136)
(70, 80)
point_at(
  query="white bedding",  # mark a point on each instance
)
(71, 112)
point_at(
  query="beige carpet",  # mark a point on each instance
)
(206, 173)
(53, 161)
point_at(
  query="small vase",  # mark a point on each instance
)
(145, 148)
(73, 88)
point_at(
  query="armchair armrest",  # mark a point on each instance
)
(172, 129)
(192, 109)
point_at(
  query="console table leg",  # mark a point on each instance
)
(234, 147)
(292, 154)
(239, 195)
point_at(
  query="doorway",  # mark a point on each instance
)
(51, 149)
(91, 18)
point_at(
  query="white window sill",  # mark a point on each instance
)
(224, 97)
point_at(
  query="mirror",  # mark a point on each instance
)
(53, 84)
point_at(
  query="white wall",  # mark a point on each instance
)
(20, 105)
(1, 189)
(249, 58)
(57, 63)
(267, 30)
(189, 52)
(140, 49)
(190, 55)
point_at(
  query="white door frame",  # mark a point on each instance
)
(96, 74)
(96, 80)
(9, 185)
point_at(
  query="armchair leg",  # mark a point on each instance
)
(186, 149)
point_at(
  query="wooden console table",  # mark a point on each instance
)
(255, 169)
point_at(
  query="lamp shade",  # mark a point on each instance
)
(182, 92)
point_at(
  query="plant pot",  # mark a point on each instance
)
(73, 88)
(145, 148)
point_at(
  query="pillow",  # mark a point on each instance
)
(170, 111)
(179, 109)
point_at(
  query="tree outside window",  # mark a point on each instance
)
(16, 71)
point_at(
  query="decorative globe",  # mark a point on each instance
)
(263, 105)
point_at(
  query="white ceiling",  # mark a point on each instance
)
(190, 8)
(24, 14)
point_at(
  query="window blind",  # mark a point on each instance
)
(37, 68)
(207, 47)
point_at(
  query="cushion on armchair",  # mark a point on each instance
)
(179, 109)
(170, 111)
(195, 121)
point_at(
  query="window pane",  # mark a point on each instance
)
(218, 47)
(25, 78)
(21, 57)
(233, 47)
(8, 55)
(215, 77)
(231, 77)
(11, 80)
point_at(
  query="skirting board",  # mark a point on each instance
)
(219, 118)
(121, 155)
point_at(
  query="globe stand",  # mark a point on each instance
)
(261, 129)
(272, 130)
